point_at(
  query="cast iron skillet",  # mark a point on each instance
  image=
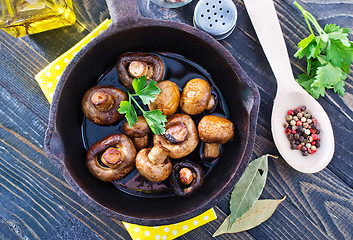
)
(131, 32)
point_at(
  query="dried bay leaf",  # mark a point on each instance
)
(248, 189)
(260, 212)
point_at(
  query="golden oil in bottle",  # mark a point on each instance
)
(23, 17)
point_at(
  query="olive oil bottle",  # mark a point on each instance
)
(23, 17)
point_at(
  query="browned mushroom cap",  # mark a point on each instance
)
(117, 154)
(168, 99)
(181, 136)
(136, 64)
(100, 104)
(138, 132)
(196, 97)
(158, 169)
(186, 178)
(215, 130)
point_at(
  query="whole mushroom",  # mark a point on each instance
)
(136, 64)
(196, 97)
(186, 178)
(138, 132)
(215, 130)
(168, 99)
(111, 158)
(100, 104)
(180, 137)
(153, 163)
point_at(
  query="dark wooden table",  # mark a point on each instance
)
(37, 203)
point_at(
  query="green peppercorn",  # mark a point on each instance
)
(295, 118)
(286, 125)
(305, 124)
(309, 121)
(294, 128)
(289, 117)
(300, 115)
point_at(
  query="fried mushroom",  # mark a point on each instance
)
(186, 178)
(137, 64)
(112, 158)
(138, 132)
(196, 97)
(181, 136)
(100, 104)
(215, 130)
(153, 163)
(168, 99)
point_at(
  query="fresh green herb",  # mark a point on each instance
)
(246, 210)
(329, 56)
(147, 93)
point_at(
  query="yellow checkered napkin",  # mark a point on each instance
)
(47, 80)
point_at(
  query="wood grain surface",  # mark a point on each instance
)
(37, 203)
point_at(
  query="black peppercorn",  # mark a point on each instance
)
(290, 136)
(297, 142)
(301, 139)
(293, 146)
(317, 145)
(295, 111)
(313, 126)
(306, 153)
(303, 108)
(296, 136)
(317, 131)
(304, 149)
(300, 128)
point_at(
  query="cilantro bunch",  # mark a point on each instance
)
(329, 55)
(147, 93)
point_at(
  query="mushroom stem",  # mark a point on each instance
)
(140, 142)
(101, 100)
(211, 150)
(186, 176)
(177, 133)
(158, 154)
(111, 156)
(137, 69)
(211, 103)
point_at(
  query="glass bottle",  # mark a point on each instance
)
(23, 17)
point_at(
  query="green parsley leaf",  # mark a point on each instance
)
(156, 120)
(329, 56)
(147, 93)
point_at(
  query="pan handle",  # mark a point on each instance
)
(54, 147)
(123, 11)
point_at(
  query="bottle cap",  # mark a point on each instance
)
(216, 17)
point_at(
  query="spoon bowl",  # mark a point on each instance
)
(290, 94)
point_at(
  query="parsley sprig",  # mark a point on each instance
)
(147, 93)
(329, 55)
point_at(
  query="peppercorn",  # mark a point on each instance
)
(305, 125)
(295, 111)
(307, 115)
(290, 136)
(313, 126)
(292, 122)
(295, 118)
(299, 123)
(308, 145)
(304, 148)
(313, 148)
(299, 115)
(294, 127)
(286, 125)
(290, 112)
(306, 153)
(296, 136)
(317, 131)
(303, 108)
(317, 145)
(303, 119)
(299, 147)
(289, 117)
(307, 132)
(287, 131)
(301, 139)
(310, 139)
(293, 146)
(300, 128)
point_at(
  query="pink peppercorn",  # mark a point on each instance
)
(287, 131)
(290, 112)
(299, 123)
(315, 137)
(294, 131)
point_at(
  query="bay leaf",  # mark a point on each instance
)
(260, 212)
(249, 188)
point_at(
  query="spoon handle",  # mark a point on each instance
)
(263, 16)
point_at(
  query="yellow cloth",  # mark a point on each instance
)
(47, 80)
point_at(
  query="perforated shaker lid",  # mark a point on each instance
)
(216, 17)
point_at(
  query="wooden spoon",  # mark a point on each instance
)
(290, 94)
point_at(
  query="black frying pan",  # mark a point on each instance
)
(131, 32)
